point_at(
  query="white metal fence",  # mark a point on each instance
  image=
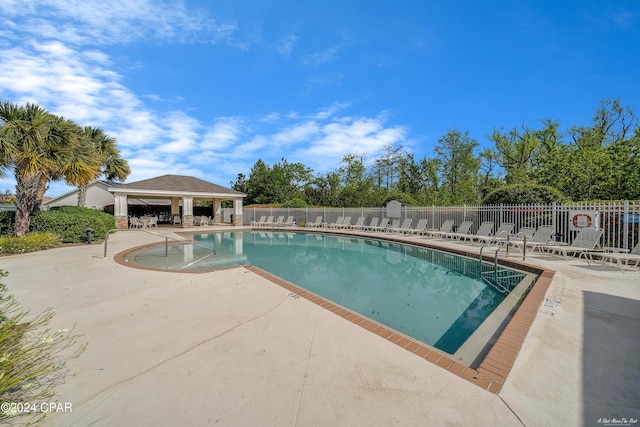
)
(620, 220)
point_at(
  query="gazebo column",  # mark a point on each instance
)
(237, 212)
(187, 211)
(217, 211)
(175, 207)
(121, 211)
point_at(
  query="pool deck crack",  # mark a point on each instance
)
(306, 368)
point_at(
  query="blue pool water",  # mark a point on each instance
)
(434, 297)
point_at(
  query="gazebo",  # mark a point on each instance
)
(179, 189)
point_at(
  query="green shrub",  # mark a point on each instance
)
(28, 243)
(294, 203)
(7, 219)
(518, 194)
(71, 223)
(32, 359)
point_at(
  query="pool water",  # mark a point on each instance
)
(435, 297)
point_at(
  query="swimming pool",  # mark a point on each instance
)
(434, 297)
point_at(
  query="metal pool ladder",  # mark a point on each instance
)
(166, 241)
(501, 279)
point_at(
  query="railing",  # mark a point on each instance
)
(166, 241)
(494, 276)
(620, 220)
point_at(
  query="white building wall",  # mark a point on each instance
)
(98, 197)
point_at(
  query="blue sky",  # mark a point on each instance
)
(205, 88)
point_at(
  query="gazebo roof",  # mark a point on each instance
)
(178, 184)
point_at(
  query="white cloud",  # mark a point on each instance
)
(224, 133)
(286, 45)
(92, 21)
(321, 57)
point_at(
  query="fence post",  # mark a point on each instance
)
(625, 225)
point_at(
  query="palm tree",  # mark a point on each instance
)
(112, 166)
(40, 147)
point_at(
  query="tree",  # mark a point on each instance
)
(240, 184)
(459, 167)
(386, 167)
(40, 147)
(113, 166)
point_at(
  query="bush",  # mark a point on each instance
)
(32, 359)
(28, 243)
(7, 219)
(294, 203)
(518, 194)
(71, 222)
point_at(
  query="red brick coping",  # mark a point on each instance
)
(492, 371)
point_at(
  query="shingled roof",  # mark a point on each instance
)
(179, 183)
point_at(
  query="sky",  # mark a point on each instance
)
(208, 87)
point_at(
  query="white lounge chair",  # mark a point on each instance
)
(586, 240)
(278, 222)
(177, 220)
(204, 220)
(501, 236)
(446, 227)
(406, 226)
(395, 224)
(623, 258)
(420, 228)
(359, 223)
(484, 232)
(346, 223)
(384, 223)
(463, 230)
(259, 222)
(268, 222)
(372, 224)
(336, 224)
(290, 222)
(316, 224)
(538, 240)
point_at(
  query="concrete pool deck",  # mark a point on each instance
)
(231, 347)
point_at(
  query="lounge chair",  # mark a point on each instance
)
(290, 222)
(395, 224)
(405, 227)
(267, 222)
(336, 224)
(204, 220)
(260, 222)
(372, 224)
(420, 228)
(278, 222)
(586, 240)
(384, 223)
(177, 220)
(501, 236)
(485, 231)
(346, 223)
(623, 258)
(446, 227)
(463, 230)
(359, 223)
(316, 224)
(539, 239)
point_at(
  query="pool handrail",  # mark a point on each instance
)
(166, 240)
